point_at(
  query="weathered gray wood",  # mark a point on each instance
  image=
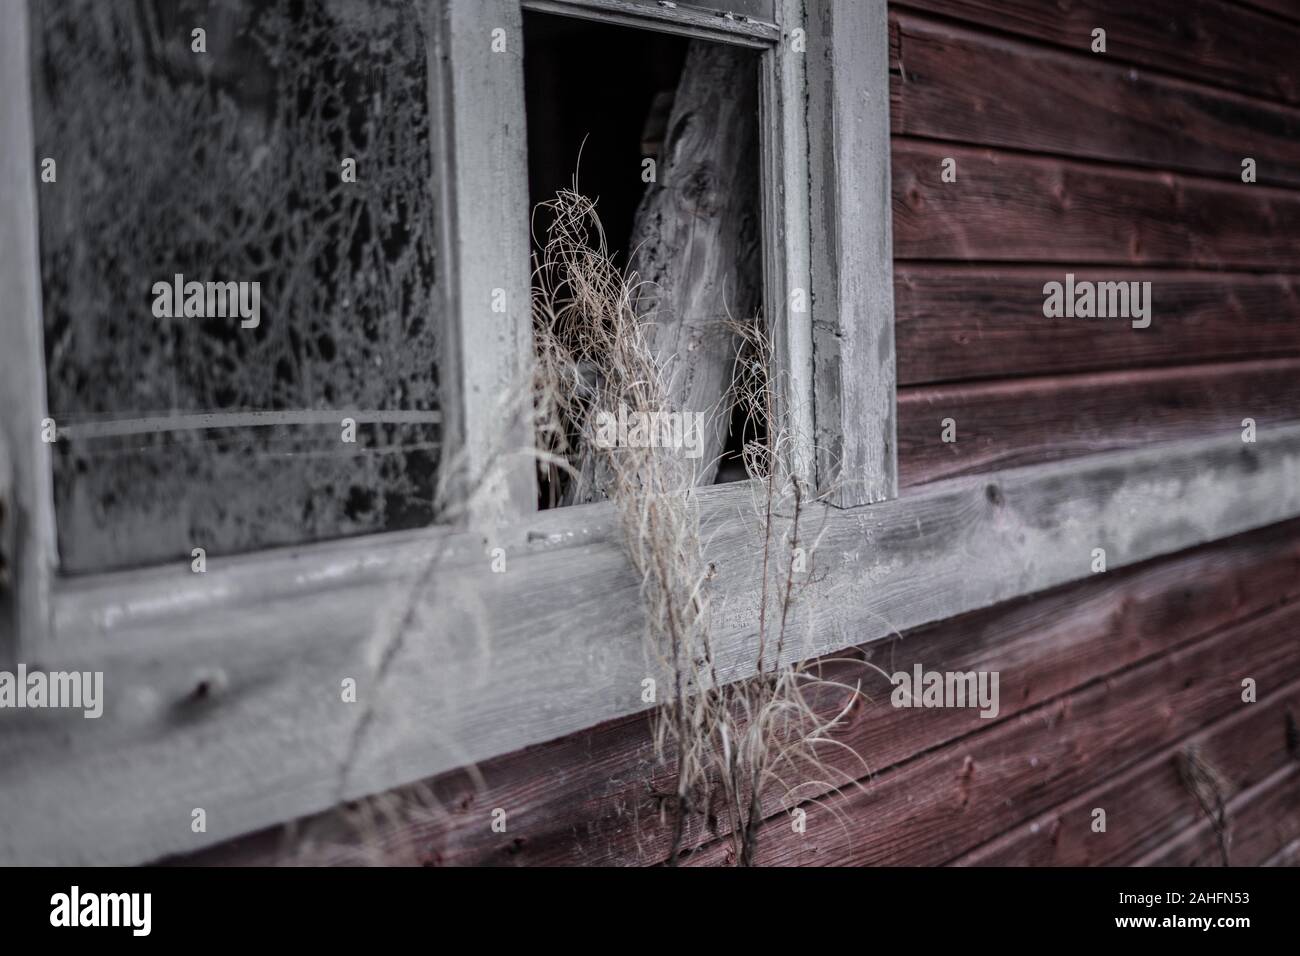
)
(744, 30)
(481, 116)
(223, 690)
(852, 250)
(8, 624)
(29, 508)
(696, 240)
(786, 267)
(586, 798)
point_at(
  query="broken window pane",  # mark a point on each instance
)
(277, 154)
(666, 146)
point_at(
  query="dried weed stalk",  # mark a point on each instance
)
(738, 743)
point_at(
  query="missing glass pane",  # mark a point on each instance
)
(661, 133)
(243, 313)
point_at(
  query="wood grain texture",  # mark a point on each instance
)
(978, 89)
(29, 504)
(950, 800)
(1288, 855)
(1151, 804)
(224, 687)
(587, 798)
(1012, 207)
(482, 104)
(1215, 42)
(1019, 421)
(786, 233)
(750, 31)
(697, 238)
(1261, 820)
(1284, 9)
(852, 251)
(8, 539)
(955, 323)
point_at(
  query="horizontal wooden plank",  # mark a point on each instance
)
(955, 323)
(1289, 855)
(950, 800)
(1260, 821)
(1285, 9)
(1151, 804)
(975, 88)
(588, 798)
(1215, 42)
(1009, 207)
(224, 687)
(1001, 424)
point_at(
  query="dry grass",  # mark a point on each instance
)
(1211, 790)
(732, 748)
(733, 743)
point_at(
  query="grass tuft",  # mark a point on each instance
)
(734, 744)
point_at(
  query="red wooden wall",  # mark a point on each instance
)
(1115, 690)
(1116, 167)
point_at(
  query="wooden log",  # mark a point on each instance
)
(696, 240)
(973, 88)
(956, 323)
(1034, 209)
(948, 801)
(1218, 43)
(1000, 424)
(587, 798)
(1150, 805)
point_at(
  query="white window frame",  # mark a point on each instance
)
(223, 688)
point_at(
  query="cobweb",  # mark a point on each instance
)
(225, 166)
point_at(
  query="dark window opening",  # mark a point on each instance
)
(600, 95)
(600, 101)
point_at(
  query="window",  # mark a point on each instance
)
(279, 157)
(829, 305)
(404, 300)
(661, 133)
(222, 687)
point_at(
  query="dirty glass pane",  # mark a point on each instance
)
(212, 415)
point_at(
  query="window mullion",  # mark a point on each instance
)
(27, 543)
(852, 251)
(786, 267)
(487, 240)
